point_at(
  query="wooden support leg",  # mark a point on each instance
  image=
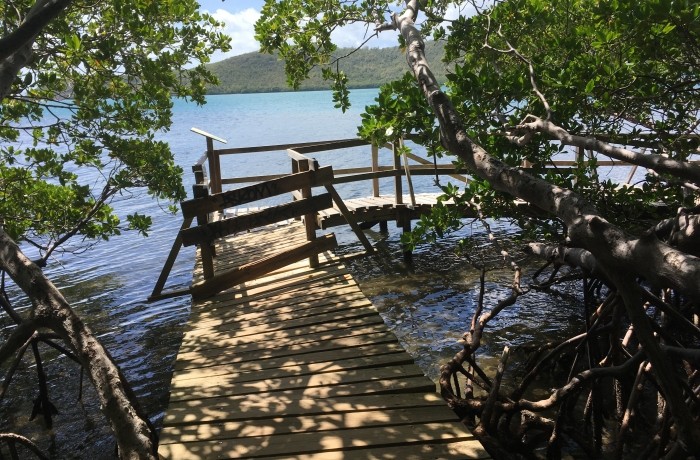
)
(383, 226)
(206, 248)
(404, 221)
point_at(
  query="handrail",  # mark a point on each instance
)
(209, 197)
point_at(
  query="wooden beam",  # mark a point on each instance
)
(275, 147)
(221, 228)
(253, 270)
(237, 197)
(206, 250)
(332, 145)
(349, 218)
(160, 284)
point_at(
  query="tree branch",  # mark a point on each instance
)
(658, 163)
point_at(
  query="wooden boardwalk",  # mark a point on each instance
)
(298, 364)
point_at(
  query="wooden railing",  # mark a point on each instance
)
(208, 209)
(210, 201)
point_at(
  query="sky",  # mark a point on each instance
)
(239, 17)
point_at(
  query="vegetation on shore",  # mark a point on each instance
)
(264, 73)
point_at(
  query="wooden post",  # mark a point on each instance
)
(383, 227)
(309, 219)
(206, 250)
(398, 191)
(200, 174)
(214, 167)
(375, 168)
(212, 159)
(407, 169)
(404, 221)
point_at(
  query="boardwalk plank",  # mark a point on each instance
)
(256, 351)
(386, 379)
(299, 364)
(232, 330)
(317, 331)
(302, 423)
(313, 335)
(313, 363)
(322, 441)
(282, 314)
(438, 451)
(254, 407)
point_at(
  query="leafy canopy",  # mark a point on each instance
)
(77, 125)
(625, 72)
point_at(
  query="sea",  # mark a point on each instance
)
(428, 304)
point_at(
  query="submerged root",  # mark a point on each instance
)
(606, 398)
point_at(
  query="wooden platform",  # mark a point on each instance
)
(376, 208)
(299, 365)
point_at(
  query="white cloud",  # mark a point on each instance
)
(240, 27)
(352, 36)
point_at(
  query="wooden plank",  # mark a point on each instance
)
(333, 145)
(272, 148)
(282, 314)
(274, 287)
(232, 330)
(396, 379)
(231, 375)
(210, 357)
(222, 228)
(312, 335)
(222, 281)
(317, 442)
(233, 363)
(275, 284)
(194, 341)
(361, 307)
(170, 261)
(276, 293)
(237, 197)
(460, 450)
(258, 407)
(304, 423)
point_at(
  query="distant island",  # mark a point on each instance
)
(365, 68)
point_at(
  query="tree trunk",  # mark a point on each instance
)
(616, 251)
(135, 439)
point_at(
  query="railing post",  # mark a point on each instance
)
(200, 174)
(202, 191)
(398, 191)
(214, 167)
(375, 169)
(212, 159)
(309, 219)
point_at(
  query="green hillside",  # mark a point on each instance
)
(366, 68)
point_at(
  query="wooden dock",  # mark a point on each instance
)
(298, 364)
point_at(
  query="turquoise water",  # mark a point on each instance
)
(428, 306)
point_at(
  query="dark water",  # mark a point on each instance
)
(428, 306)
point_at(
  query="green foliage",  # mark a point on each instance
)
(77, 126)
(623, 71)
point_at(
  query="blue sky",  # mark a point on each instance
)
(240, 16)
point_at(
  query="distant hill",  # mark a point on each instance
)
(365, 68)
